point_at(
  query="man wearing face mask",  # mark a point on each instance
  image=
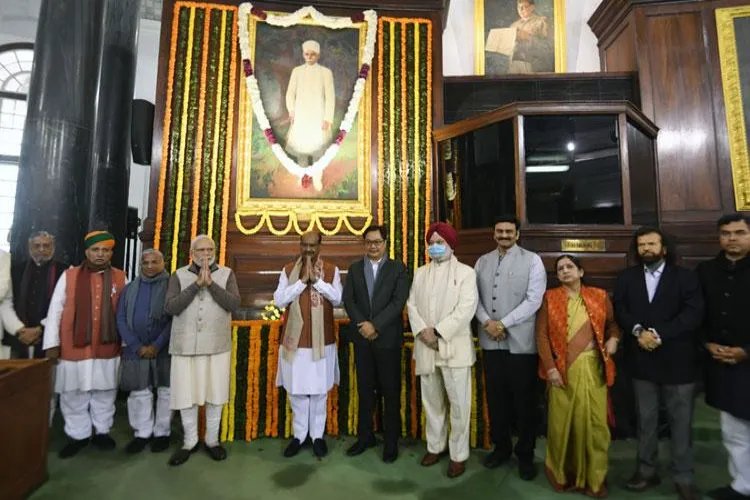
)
(34, 281)
(660, 308)
(441, 305)
(201, 298)
(511, 282)
(308, 361)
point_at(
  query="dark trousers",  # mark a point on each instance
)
(512, 383)
(378, 370)
(679, 402)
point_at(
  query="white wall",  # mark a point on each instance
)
(458, 38)
(18, 20)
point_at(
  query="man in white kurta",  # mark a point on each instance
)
(9, 322)
(441, 305)
(308, 359)
(201, 298)
(310, 101)
(82, 334)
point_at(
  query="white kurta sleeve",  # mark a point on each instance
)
(415, 319)
(54, 315)
(291, 92)
(286, 293)
(10, 322)
(331, 291)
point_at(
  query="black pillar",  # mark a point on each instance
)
(74, 168)
(110, 161)
(58, 136)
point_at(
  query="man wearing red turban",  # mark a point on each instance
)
(441, 304)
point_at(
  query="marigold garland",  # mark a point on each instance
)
(199, 132)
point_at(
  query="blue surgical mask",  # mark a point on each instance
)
(436, 250)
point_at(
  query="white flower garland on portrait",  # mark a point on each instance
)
(306, 174)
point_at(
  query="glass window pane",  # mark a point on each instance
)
(573, 170)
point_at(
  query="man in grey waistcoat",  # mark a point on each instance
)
(201, 298)
(511, 282)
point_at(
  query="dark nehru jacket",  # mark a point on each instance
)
(726, 289)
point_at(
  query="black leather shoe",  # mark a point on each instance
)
(137, 445)
(361, 446)
(496, 459)
(320, 448)
(527, 471)
(217, 452)
(640, 482)
(73, 447)
(182, 455)
(390, 453)
(104, 442)
(160, 444)
(726, 493)
(292, 448)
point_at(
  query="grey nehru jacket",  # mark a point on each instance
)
(511, 290)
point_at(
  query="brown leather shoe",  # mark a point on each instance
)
(455, 469)
(687, 492)
(432, 458)
(640, 482)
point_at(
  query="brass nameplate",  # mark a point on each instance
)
(583, 246)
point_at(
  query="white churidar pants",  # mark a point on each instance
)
(190, 425)
(309, 415)
(455, 384)
(141, 413)
(736, 435)
(82, 409)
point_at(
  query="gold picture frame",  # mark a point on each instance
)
(729, 58)
(481, 23)
(309, 207)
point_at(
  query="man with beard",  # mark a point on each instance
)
(308, 360)
(201, 298)
(82, 334)
(34, 281)
(726, 287)
(145, 329)
(659, 306)
(511, 282)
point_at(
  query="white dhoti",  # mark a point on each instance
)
(307, 383)
(736, 436)
(456, 384)
(197, 380)
(88, 390)
(141, 413)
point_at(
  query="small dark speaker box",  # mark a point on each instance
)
(141, 130)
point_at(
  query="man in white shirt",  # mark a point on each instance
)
(308, 358)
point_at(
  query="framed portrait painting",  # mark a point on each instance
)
(733, 30)
(519, 36)
(306, 75)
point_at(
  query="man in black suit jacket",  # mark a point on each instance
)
(659, 306)
(374, 296)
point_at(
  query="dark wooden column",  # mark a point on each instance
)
(672, 45)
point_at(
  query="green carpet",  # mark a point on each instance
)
(257, 470)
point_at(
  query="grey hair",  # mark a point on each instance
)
(149, 251)
(199, 238)
(38, 234)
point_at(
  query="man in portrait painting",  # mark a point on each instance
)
(534, 48)
(310, 101)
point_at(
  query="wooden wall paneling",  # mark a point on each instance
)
(620, 53)
(622, 126)
(520, 146)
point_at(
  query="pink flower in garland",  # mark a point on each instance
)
(340, 137)
(306, 181)
(259, 13)
(359, 17)
(364, 71)
(269, 136)
(247, 66)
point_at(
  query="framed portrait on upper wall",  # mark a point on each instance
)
(733, 30)
(306, 75)
(519, 36)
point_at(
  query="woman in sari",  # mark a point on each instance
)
(576, 337)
